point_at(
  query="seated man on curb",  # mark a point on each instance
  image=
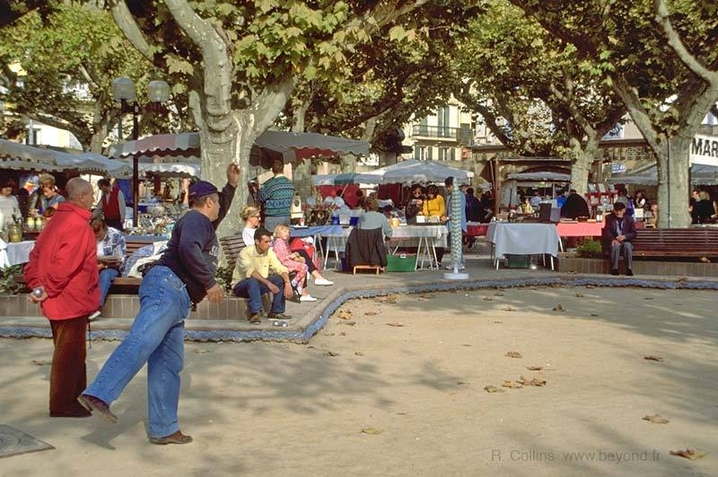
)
(618, 232)
(252, 280)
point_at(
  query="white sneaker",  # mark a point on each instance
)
(306, 298)
(323, 282)
(94, 316)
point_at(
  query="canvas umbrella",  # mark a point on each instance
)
(414, 170)
(289, 147)
(23, 157)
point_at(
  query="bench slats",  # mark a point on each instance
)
(693, 242)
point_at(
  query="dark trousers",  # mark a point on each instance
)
(115, 223)
(308, 260)
(68, 376)
(253, 289)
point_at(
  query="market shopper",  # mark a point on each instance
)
(111, 205)
(183, 277)
(276, 196)
(62, 272)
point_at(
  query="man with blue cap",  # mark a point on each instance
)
(180, 279)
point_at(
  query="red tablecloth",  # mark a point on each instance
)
(477, 230)
(580, 229)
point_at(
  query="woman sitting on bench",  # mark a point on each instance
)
(111, 253)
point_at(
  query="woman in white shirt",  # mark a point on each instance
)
(252, 220)
(9, 205)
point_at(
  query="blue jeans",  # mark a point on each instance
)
(156, 338)
(106, 277)
(253, 289)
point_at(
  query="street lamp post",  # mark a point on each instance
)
(123, 90)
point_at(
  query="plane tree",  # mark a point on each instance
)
(660, 58)
(57, 67)
(532, 91)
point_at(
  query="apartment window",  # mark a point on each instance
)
(424, 127)
(444, 121)
(443, 153)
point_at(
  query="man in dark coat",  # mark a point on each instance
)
(619, 231)
(575, 206)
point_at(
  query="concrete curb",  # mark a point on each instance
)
(308, 326)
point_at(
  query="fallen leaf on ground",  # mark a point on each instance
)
(427, 297)
(532, 382)
(342, 333)
(558, 308)
(401, 413)
(579, 295)
(462, 382)
(390, 299)
(652, 357)
(487, 298)
(371, 313)
(512, 385)
(534, 368)
(508, 308)
(513, 354)
(498, 294)
(345, 314)
(358, 353)
(648, 298)
(682, 279)
(331, 353)
(200, 351)
(41, 362)
(594, 314)
(656, 419)
(395, 324)
(371, 431)
(466, 344)
(589, 287)
(493, 389)
(498, 322)
(349, 323)
(688, 454)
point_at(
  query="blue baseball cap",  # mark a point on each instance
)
(201, 189)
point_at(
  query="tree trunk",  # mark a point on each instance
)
(302, 174)
(673, 183)
(581, 164)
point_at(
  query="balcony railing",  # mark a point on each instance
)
(435, 131)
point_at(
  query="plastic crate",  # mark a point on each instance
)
(401, 263)
(518, 261)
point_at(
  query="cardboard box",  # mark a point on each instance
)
(400, 263)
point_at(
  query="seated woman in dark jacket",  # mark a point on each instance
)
(415, 204)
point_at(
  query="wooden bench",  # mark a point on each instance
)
(231, 246)
(130, 284)
(689, 243)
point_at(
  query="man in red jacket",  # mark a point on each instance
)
(62, 271)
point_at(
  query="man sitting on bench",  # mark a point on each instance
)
(251, 278)
(619, 231)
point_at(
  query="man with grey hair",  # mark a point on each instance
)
(62, 272)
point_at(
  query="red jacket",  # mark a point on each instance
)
(64, 261)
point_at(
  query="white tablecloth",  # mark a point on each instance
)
(15, 253)
(523, 239)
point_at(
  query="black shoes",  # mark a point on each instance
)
(614, 271)
(629, 272)
(79, 413)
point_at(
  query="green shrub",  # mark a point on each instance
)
(589, 249)
(224, 278)
(8, 285)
